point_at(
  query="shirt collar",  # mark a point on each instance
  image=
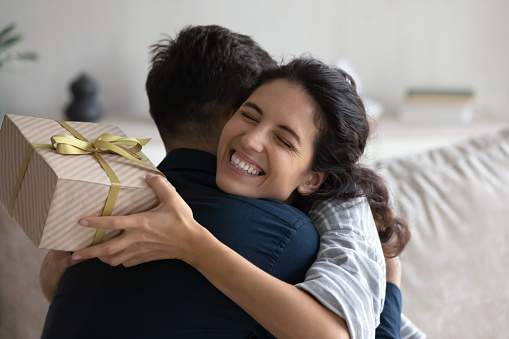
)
(187, 158)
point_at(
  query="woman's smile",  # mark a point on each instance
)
(244, 165)
(266, 147)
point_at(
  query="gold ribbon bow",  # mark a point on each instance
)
(106, 143)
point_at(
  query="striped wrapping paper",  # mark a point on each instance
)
(58, 190)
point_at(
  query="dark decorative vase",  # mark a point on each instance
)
(84, 107)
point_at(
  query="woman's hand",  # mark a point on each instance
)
(165, 232)
(53, 268)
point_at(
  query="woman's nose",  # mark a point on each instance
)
(254, 139)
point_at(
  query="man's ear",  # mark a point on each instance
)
(312, 183)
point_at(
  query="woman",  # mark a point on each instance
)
(308, 117)
(298, 139)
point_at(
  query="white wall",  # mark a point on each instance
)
(392, 44)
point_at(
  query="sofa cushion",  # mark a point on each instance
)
(455, 268)
(22, 305)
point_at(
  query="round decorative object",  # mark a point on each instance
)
(84, 107)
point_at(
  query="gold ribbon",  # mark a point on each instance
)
(79, 145)
(21, 174)
(106, 143)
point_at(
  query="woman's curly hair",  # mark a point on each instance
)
(343, 133)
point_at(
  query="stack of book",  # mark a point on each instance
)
(437, 106)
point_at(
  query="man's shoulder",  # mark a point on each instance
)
(268, 207)
(274, 236)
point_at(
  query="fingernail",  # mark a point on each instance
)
(150, 175)
(83, 222)
(76, 257)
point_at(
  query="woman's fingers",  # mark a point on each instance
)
(118, 258)
(109, 249)
(161, 186)
(164, 190)
(148, 235)
(113, 222)
(174, 209)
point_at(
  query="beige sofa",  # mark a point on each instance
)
(455, 269)
(456, 266)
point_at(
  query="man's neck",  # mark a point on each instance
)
(193, 144)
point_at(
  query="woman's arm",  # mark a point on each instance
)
(169, 231)
(348, 274)
(283, 309)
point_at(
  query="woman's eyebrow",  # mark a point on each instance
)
(253, 106)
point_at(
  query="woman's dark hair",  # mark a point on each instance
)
(344, 130)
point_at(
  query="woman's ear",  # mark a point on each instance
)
(312, 183)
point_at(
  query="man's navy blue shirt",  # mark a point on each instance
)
(390, 319)
(169, 298)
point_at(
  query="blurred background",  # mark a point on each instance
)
(430, 72)
(392, 47)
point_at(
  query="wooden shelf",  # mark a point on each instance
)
(393, 138)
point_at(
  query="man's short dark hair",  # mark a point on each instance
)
(199, 77)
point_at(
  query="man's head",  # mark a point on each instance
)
(198, 79)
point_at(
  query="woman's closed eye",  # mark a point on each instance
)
(248, 117)
(283, 142)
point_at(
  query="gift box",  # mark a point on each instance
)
(54, 173)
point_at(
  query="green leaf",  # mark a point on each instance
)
(26, 56)
(9, 43)
(6, 31)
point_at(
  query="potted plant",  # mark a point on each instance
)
(7, 40)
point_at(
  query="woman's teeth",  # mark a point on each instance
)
(242, 165)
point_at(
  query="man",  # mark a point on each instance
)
(194, 84)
